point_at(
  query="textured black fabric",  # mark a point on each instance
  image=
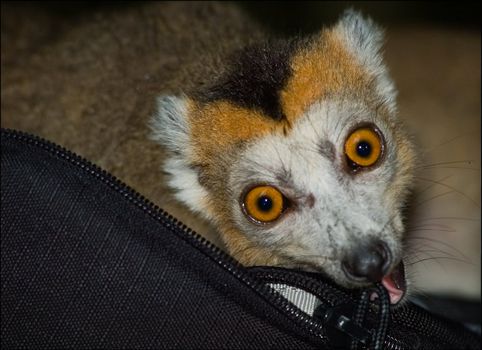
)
(83, 266)
(87, 263)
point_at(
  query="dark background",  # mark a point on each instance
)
(291, 16)
(306, 16)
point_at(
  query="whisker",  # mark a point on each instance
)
(439, 263)
(449, 218)
(435, 225)
(437, 250)
(411, 260)
(449, 167)
(452, 188)
(441, 243)
(428, 150)
(417, 204)
(420, 292)
(432, 185)
(431, 229)
(413, 251)
(441, 258)
(467, 161)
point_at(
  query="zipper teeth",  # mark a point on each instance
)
(167, 220)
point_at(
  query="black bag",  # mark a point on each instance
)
(88, 263)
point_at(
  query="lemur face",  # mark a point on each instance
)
(296, 154)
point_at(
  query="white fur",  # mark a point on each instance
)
(364, 39)
(170, 128)
(169, 125)
(347, 210)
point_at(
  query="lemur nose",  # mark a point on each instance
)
(368, 262)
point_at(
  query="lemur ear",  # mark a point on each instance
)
(362, 36)
(170, 128)
(364, 39)
(169, 125)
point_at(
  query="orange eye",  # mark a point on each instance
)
(264, 204)
(363, 147)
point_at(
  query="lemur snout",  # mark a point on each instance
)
(368, 262)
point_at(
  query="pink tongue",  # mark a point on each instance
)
(395, 293)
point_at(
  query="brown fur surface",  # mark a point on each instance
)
(89, 82)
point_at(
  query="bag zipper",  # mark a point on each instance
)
(337, 305)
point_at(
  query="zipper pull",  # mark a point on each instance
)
(339, 322)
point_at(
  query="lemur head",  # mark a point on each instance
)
(297, 156)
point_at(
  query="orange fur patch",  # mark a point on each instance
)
(324, 67)
(221, 124)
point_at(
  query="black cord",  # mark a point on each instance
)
(384, 316)
(380, 333)
(360, 313)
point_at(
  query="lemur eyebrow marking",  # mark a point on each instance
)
(327, 149)
(284, 176)
(310, 200)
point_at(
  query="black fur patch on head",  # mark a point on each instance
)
(255, 78)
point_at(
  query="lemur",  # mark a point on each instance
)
(293, 149)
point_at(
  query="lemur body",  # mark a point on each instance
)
(88, 78)
(264, 151)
